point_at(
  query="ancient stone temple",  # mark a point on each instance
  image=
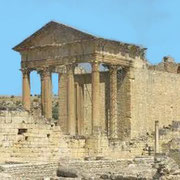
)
(122, 102)
(113, 117)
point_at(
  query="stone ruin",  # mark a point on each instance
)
(118, 121)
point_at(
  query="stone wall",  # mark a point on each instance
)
(154, 97)
(27, 139)
(23, 139)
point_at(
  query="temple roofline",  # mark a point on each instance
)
(19, 47)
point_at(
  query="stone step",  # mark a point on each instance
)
(30, 171)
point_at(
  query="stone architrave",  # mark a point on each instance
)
(96, 124)
(26, 98)
(113, 101)
(47, 93)
(71, 100)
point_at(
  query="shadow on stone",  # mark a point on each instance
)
(69, 173)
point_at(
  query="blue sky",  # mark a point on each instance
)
(153, 24)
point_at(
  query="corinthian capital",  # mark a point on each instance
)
(113, 68)
(25, 71)
(46, 71)
(95, 66)
(70, 68)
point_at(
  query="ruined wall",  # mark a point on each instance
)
(25, 139)
(155, 95)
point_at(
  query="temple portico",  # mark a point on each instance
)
(88, 102)
(75, 97)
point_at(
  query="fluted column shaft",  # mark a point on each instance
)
(79, 108)
(47, 93)
(26, 89)
(113, 101)
(42, 92)
(96, 124)
(71, 100)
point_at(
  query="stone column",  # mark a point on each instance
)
(47, 93)
(26, 98)
(81, 89)
(96, 124)
(156, 137)
(79, 108)
(71, 100)
(63, 112)
(42, 91)
(113, 101)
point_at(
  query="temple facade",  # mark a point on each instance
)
(120, 101)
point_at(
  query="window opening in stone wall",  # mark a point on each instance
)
(21, 131)
(26, 138)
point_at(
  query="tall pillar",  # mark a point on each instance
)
(81, 89)
(26, 89)
(96, 124)
(79, 109)
(71, 100)
(156, 137)
(47, 93)
(62, 96)
(77, 105)
(113, 101)
(42, 91)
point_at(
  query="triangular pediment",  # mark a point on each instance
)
(53, 33)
